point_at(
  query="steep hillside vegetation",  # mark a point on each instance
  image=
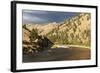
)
(74, 31)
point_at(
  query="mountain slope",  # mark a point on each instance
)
(71, 31)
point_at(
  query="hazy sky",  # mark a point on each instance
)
(36, 16)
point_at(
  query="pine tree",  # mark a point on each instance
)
(33, 35)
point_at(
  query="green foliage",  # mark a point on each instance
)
(88, 16)
(79, 22)
(33, 35)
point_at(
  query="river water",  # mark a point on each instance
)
(59, 54)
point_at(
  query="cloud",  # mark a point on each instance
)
(37, 16)
(28, 18)
(34, 12)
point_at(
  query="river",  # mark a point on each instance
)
(59, 54)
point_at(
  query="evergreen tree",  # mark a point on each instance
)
(33, 35)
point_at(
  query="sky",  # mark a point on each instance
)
(40, 17)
